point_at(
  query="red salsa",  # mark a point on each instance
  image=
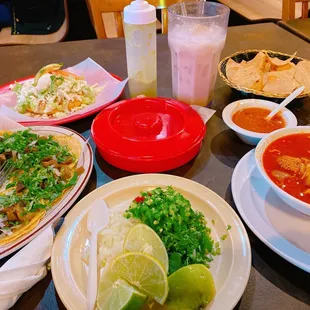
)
(253, 119)
(287, 163)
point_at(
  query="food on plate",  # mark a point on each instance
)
(142, 238)
(159, 235)
(269, 74)
(138, 269)
(40, 170)
(287, 163)
(191, 287)
(54, 93)
(253, 119)
(120, 295)
(183, 231)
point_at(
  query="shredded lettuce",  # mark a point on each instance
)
(54, 95)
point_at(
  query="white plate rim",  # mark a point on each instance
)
(74, 216)
(234, 181)
(70, 196)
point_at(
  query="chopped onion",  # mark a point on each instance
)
(33, 143)
(56, 172)
(110, 239)
(6, 232)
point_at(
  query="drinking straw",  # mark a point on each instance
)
(183, 9)
(201, 8)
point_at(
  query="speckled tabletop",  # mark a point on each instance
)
(274, 283)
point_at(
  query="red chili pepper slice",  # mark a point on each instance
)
(139, 199)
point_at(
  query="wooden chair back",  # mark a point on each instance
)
(289, 6)
(99, 7)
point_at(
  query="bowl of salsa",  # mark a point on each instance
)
(247, 118)
(283, 159)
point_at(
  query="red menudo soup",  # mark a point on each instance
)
(287, 163)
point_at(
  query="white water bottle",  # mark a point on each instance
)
(140, 36)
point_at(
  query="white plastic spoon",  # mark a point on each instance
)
(98, 219)
(285, 102)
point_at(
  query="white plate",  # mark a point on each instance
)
(230, 270)
(69, 198)
(283, 229)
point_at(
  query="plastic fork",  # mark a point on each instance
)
(5, 170)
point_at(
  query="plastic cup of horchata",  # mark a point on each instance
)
(196, 33)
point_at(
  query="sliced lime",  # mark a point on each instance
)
(142, 238)
(140, 270)
(120, 296)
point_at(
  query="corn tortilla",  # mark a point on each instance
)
(24, 229)
(75, 148)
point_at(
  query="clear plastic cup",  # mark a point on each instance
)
(196, 34)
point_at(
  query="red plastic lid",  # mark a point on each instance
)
(147, 130)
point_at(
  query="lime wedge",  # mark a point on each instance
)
(142, 238)
(44, 70)
(120, 296)
(191, 287)
(140, 270)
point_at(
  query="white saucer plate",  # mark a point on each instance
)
(283, 229)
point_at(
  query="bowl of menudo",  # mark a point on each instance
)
(283, 158)
(248, 119)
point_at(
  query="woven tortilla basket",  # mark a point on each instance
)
(248, 55)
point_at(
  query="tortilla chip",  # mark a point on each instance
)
(24, 229)
(269, 74)
(302, 75)
(288, 67)
(258, 85)
(277, 62)
(267, 67)
(285, 74)
(247, 76)
(232, 67)
(73, 145)
(280, 85)
(259, 61)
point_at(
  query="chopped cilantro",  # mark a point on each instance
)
(41, 184)
(183, 231)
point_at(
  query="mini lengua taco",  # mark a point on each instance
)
(42, 169)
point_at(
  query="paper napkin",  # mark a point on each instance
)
(25, 268)
(205, 113)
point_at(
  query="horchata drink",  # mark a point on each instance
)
(196, 34)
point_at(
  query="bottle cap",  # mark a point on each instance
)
(139, 12)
